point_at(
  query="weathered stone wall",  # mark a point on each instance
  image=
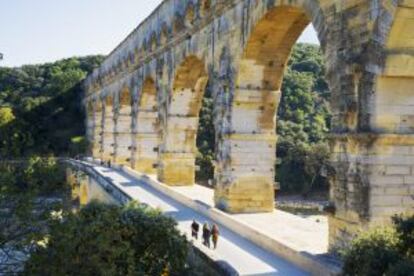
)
(241, 48)
(123, 128)
(108, 129)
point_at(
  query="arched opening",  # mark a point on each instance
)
(394, 111)
(108, 128)
(206, 140)
(147, 140)
(178, 155)
(123, 128)
(251, 172)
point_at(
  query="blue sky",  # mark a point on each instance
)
(36, 31)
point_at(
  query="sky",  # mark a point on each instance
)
(38, 31)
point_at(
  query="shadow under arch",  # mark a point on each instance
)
(177, 159)
(147, 133)
(249, 187)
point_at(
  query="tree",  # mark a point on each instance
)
(206, 139)
(382, 251)
(110, 240)
(6, 116)
(46, 104)
(30, 192)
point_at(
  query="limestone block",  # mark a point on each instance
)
(181, 102)
(146, 165)
(124, 125)
(176, 123)
(398, 170)
(177, 169)
(124, 139)
(389, 211)
(385, 200)
(246, 194)
(147, 122)
(181, 141)
(383, 180)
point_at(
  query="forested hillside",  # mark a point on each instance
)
(40, 108)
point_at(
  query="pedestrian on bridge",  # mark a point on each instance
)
(206, 235)
(194, 229)
(215, 234)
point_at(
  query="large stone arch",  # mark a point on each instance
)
(124, 127)
(248, 185)
(373, 166)
(177, 158)
(108, 129)
(369, 53)
(147, 131)
(393, 111)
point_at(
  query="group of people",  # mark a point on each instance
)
(108, 163)
(209, 233)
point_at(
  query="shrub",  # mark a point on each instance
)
(111, 240)
(405, 232)
(401, 268)
(385, 251)
(372, 253)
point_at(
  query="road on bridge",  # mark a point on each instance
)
(244, 256)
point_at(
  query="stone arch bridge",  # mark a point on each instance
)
(143, 102)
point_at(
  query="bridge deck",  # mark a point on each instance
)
(244, 256)
(301, 234)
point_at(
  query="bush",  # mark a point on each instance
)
(405, 232)
(386, 251)
(372, 253)
(401, 268)
(30, 194)
(111, 240)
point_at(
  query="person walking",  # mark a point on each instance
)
(206, 235)
(215, 234)
(194, 229)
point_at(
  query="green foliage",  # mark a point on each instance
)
(110, 240)
(6, 116)
(383, 251)
(206, 139)
(405, 232)
(29, 194)
(303, 122)
(79, 145)
(45, 101)
(372, 253)
(301, 167)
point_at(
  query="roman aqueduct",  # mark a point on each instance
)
(143, 103)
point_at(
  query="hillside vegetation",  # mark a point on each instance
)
(40, 107)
